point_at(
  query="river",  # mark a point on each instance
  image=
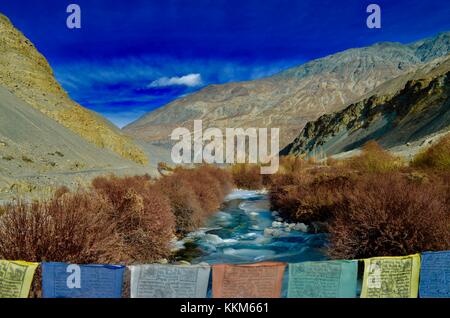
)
(246, 231)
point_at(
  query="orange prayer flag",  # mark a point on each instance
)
(261, 280)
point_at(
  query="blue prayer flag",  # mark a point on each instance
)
(62, 280)
(435, 275)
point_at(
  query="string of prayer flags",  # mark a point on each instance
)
(435, 275)
(391, 277)
(16, 278)
(169, 281)
(384, 277)
(328, 279)
(261, 280)
(62, 280)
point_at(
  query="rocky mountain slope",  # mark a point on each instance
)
(31, 141)
(26, 74)
(33, 145)
(291, 98)
(400, 112)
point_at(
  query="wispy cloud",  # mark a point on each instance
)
(190, 80)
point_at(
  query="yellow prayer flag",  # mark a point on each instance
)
(391, 277)
(16, 278)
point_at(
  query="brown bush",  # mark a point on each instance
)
(209, 184)
(222, 177)
(387, 214)
(332, 162)
(374, 159)
(247, 176)
(436, 156)
(61, 191)
(307, 197)
(69, 229)
(141, 214)
(195, 194)
(292, 164)
(184, 201)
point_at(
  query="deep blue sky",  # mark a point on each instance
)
(120, 63)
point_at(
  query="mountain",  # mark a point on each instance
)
(37, 154)
(27, 75)
(290, 99)
(33, 143)
(400, 112)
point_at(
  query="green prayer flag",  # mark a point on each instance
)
(329, 279)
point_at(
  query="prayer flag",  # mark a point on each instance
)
(391, 277)
(62, 280)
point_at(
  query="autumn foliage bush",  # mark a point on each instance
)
(374, 159)
(141, 214)
(184, 202)
(68, 228)
(71, 229)
(435, 157)
(308, 196)
(390, 215)
(195, 194)
(247, 176)
(291, 164)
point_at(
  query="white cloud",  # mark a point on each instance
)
(190, 80)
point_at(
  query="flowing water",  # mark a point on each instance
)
(244, 232)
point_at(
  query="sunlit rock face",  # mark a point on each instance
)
(27, 74)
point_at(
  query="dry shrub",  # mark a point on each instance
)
(205, 188)
(223, 178)
(332, 162)
(436, 156)
(444, 179)
(195, 194)
(247, 176)
(184, 201)
(387, 214)
(69, 229)
(209, 184)
(308, 197)
(141, 214)
(312, 160)
(374, 159)
(59, 192)
(292, 164)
